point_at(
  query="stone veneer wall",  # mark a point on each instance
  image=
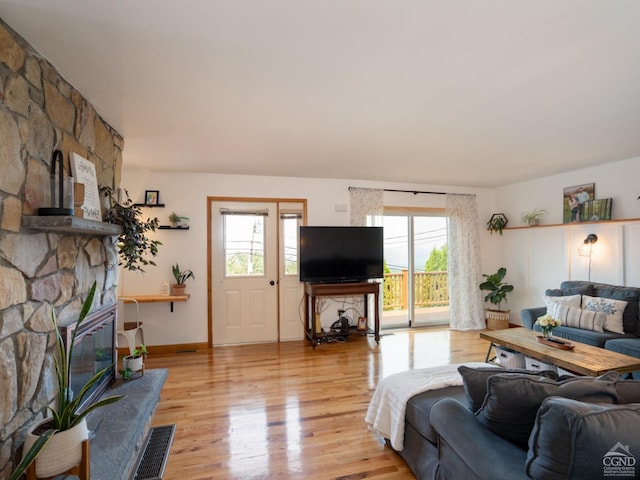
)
(39, 272)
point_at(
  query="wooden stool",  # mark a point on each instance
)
(82, 470)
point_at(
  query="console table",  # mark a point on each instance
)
(313, 290)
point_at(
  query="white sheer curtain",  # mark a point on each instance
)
(366, 207)
(465, 299)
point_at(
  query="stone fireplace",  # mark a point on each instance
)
(44, 271)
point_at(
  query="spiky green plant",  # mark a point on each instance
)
(181, 276)
(66, 414)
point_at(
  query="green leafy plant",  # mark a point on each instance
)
(497, 289)
(181, 276)
(497, 222)
(133, 243)
(175, 219)
(141, 351)
(532, 217)
(66, 414)
(126, 373)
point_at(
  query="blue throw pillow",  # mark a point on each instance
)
(577, 440)
(513, 400)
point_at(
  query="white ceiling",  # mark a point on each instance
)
(474, 93)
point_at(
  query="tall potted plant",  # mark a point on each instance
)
(134, 246)
(67, 427)
(497, 293)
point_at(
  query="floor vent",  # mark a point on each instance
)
(154, 456)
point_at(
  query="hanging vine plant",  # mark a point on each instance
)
(497, 222)
(134, 247)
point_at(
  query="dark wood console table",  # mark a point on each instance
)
(313, 290)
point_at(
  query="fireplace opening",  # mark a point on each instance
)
(93, 350)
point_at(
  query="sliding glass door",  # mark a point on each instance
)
(415, 289)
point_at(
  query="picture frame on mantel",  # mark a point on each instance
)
(84, 172)
(573, 201)
(152, 197)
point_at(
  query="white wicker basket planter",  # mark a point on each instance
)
(63, 451)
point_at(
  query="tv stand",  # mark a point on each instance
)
(313, 290)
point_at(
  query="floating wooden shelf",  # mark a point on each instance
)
(169, 227)
(69, 224)
(574, 224)
(149, 205)
(156, 299)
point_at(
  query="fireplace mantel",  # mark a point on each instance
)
(69, 224)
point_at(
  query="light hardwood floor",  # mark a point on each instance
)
(285, 411)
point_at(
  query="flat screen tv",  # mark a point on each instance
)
(340, 254)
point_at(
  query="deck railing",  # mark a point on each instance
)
(431, 289)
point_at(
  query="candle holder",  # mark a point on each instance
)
(61, 197)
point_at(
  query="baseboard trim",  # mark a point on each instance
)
(170, 349)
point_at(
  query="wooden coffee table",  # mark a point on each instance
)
(583, 359)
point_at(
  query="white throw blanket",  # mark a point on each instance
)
(389, 402)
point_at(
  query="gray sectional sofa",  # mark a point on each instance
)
(627, 342)
(513, 424)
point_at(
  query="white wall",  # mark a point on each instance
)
(186, 194)
(541, 257)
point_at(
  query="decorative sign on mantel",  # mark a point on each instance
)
(85, 172)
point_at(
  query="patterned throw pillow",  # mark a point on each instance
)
(578, 318)
(569, 300)
(613, 309)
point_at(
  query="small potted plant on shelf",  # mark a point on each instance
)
(498, 290)
(134, 362)
(181, 276)
(178, 221)
(56, 443)
(532, 218)
(497, 222)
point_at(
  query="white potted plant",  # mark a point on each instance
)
(134, 362)
(532, 218)
(56, 442)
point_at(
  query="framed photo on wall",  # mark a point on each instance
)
(574, 199)
(152, 197)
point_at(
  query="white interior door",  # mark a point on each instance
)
(290, 288)
(244, 272)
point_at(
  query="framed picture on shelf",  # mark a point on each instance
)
(597, 210)
(152, 197)
(362, 323)
(574, 199)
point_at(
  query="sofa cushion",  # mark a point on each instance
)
(596, 339)
(572, 439)
(584, 289)
(578, 318)
(554, 302)
(613, 309)
(512, 400)
(419, 406)
(626, 346)
(628, 391)
(475, 381)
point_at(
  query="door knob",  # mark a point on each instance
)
(272, 283)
